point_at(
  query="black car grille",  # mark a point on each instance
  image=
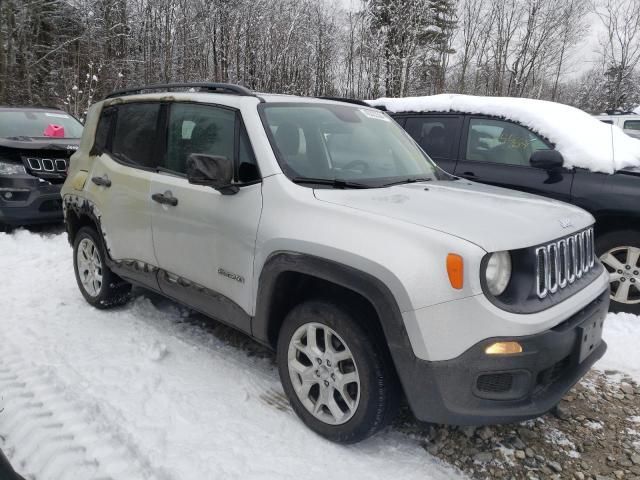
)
(48, 167)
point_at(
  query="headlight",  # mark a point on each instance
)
(498, 272)
(7, 168)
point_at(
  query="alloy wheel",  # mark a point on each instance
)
(324, 374)
(624, 273)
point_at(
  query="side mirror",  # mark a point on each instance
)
(546, 159)
(213, 171)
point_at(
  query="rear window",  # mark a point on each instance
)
(38, 124)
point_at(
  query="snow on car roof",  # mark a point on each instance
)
(583, 140)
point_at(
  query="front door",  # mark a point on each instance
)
(497, 152)
(204, 240)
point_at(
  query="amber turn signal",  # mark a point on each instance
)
(455, 269)
(503, 348)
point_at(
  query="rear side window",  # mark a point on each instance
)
(134, 138)
(610, 122)
(632, 125)
(436, 136)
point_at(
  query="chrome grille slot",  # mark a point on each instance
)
(61, 165)
(560, 263)
(47, 165)
(34, 164)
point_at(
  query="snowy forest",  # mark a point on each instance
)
(69, 53)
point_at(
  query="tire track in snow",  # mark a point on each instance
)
(48, 436)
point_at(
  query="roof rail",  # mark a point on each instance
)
(346, 100)
(619, 112)
(228, 88)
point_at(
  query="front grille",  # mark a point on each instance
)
(50, 165)
(560, 263)
(495, 382)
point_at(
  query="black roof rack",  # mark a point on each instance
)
(346, 100)
(228, 88)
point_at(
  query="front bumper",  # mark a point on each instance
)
(31, 201)
(476, 389)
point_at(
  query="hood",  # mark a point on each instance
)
(493, 218)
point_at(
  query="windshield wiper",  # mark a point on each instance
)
(332, 182)
(407, 180)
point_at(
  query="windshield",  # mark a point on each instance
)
(35, 124)
(347, 143)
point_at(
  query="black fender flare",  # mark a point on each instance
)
(369, 287)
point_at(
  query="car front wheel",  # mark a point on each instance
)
(338, 379)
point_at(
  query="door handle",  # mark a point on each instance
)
(165, 199)
(469, 175)
(101, 181)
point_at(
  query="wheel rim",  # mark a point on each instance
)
(89, 267)
(624, 274)
(324, 373)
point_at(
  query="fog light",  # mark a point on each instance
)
(8, 195)
(503, 348)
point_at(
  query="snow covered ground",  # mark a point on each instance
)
(144, 393)
(148, 392)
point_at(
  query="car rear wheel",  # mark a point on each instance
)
(98, 284)
(620, 254)
(338, 379)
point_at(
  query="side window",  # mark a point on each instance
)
(502, 142)
(610, 122)
(136, 127)
(103, 131)
(632, 125)
(198, 129)
(436, 136)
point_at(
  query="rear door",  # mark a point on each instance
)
(438, 135)
(497, 152)
(205, 241)
(120, 179)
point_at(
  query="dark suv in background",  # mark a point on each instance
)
(35, 146)
(484, 149)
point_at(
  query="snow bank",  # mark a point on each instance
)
(584, 141)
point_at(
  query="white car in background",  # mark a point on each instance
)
(627, 121)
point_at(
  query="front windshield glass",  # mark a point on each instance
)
(347, 143)
(38, 124)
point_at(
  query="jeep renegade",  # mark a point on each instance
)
(321, 229)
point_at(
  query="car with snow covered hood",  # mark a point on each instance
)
(544, 148)
(35, 146)
(320, 229)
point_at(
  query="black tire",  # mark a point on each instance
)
(113, 290)
(618, 240)
(379, 388)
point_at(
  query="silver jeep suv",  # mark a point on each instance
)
(321, 229)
